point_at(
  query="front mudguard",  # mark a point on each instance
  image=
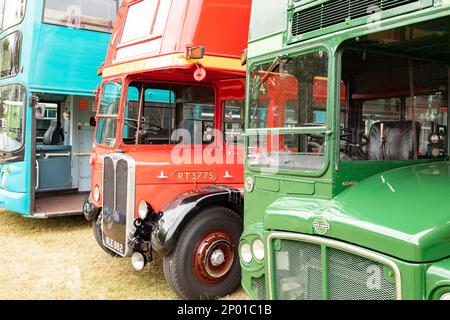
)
(90, 211)
(167, 229)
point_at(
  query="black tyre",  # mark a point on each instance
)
(205, 261)
(97, 228)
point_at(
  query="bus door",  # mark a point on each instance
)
(83, 126)
(63, 140)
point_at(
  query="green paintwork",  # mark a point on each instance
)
(397, 226)
(399, 209)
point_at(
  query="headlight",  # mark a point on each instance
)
(445, 296)
(246, 253)
(143, 210)
(249, 184)
(258, 249)
(96, 193)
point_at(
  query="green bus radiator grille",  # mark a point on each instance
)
(339, 11)
(308, 271)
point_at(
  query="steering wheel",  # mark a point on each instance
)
(345, 134)
(351, 148)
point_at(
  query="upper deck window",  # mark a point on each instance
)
(10, 55)
(96, 15)
(11, 13)
(146, 18)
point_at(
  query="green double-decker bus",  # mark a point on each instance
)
(351, 199)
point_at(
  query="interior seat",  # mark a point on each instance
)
(398, 140)
(53, 135)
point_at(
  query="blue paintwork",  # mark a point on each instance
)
(55, 60)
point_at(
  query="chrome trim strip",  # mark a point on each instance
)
(333, 244)
(131, 183)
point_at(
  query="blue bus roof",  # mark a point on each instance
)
(57, 59)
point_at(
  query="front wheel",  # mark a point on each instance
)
(205, 263)
(97, 228)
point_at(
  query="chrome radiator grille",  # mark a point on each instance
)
(313, 271)
(118, 202)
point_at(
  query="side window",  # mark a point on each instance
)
(199, 114)
(12, 111)
(10, 51)
(96, 15)
(106, 131)
(233, 122)
(131, 118)
(108, 112)
(382, 121)
(11, 13)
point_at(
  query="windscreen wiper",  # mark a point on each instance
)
(276, 62)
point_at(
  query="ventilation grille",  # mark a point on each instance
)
(300, 269)
(339, 11)
(259, 287)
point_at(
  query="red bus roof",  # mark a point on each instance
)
(152, 35)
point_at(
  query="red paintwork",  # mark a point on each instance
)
(222, 28)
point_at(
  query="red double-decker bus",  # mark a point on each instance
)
(167, 161)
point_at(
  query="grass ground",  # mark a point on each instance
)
(59, 259)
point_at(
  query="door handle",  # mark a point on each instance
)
(37, 175)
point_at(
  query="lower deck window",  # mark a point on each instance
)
(287, 151)
(12, 109)
(397, 105)
(289, 94)
(165, 114)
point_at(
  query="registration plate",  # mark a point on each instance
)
(114, 230)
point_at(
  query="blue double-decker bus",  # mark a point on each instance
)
(50, 51)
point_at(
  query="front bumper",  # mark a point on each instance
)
(15, 202)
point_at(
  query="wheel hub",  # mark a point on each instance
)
(217, 258)
(214, 256)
